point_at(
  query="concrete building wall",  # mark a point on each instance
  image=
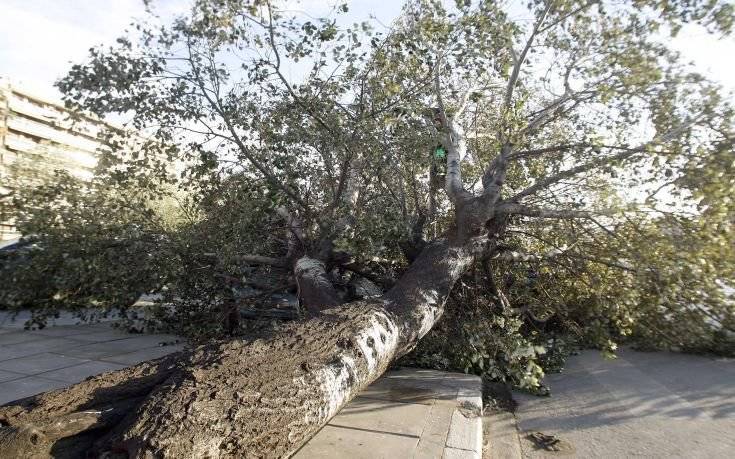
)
(37, 137)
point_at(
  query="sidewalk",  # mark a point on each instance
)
(407, 413)
(41, 360)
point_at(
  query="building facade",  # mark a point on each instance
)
(37, 137)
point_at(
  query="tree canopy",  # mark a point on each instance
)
(255, 135)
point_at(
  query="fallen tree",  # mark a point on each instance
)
(343, 153)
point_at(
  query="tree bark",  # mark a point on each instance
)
(315, 290)
(238, 399)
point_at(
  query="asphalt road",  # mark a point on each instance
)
(653, 405)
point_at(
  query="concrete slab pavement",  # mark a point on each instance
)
(408, 413)
(67, 352)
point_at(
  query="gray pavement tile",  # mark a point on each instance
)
(9, 375)
(64, 330)
(456, 453)
(414, 379)
(39, 363)
(38, 345)
(15, 337)
(465, 431)
(383, 416)
(98, 336)
(142, 355)
(66, 318)
(79, 372)
(401, 391)
(344, 442)
(25, 387)
(103, 350)
(107, 325)
(11, 320)
(436, 429)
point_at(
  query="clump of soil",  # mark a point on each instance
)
(497, 396)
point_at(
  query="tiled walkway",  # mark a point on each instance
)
(408, 413)
(37, 361)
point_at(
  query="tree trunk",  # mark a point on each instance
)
(237, 399)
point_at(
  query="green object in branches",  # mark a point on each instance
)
(440, 152)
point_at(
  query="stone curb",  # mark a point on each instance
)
(464, 440)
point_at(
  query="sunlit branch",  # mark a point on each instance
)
(521, 59)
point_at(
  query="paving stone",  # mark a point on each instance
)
(436, 428)
(39, 363)
(79, 372)
(455, 453)
(412, 382)
(142, 355)
(9, 375)
(11, 320)
(96, 335)
(64, 331)
(399, 391)
(106, 349)
(25, 387)
(15, 337)
(342, 443)
(465, 431)
(17, 321)
(37, 345)
(383, 416)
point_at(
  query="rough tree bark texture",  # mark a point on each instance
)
(237, 399)
(315, 290)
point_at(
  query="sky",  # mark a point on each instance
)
(39, 39)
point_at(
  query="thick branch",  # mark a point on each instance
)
(548, 181)
(456, 146)
(262, 260)
(296, 239)
(258, 260)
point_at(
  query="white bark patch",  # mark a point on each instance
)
(338, 382)
(428, 319)
(378, 342)
(306, 264)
